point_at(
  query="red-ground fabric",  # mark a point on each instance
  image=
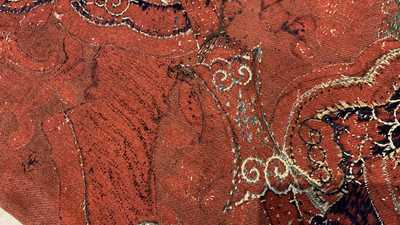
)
(200, 112)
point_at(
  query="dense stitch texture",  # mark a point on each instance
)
(225, 112)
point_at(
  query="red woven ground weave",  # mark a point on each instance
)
(200, 112)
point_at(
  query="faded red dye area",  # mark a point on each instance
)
(199, 112)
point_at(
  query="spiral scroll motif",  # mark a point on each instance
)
(150, 19)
